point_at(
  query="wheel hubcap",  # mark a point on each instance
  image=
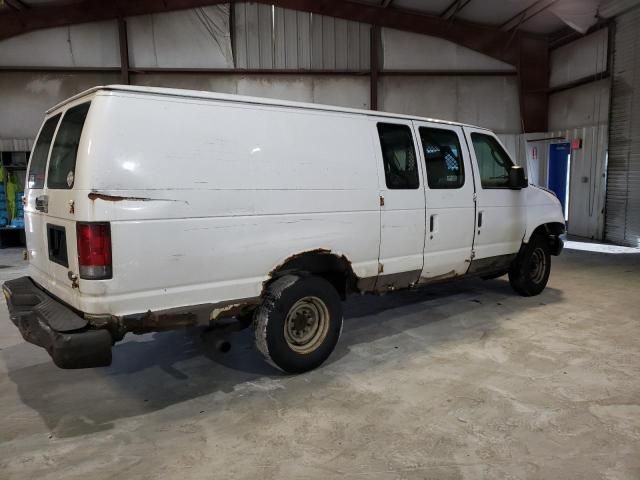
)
(306, 325)
(538, 265)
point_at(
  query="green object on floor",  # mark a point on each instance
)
(13, 186)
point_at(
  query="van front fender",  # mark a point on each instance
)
(543, 211)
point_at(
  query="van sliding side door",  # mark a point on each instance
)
(402, 205)
(449, 190)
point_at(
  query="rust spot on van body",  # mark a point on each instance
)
(439, 278)
(107, 197)
(115, 198)
(317, 261)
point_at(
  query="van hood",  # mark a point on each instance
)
(544, 193)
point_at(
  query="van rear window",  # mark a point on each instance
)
(62, 164)
(40, 153)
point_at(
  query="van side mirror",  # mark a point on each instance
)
(517, 178)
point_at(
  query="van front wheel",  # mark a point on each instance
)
(298, 324)
(529, 272)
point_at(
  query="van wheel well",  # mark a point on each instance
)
(551, 232)
(549, 229)
(336, 269)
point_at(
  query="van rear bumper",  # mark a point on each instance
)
(44, 321)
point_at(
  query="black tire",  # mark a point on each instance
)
(529, 272)
(285, 330)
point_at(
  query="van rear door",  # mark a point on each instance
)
(34, 210)
(51, 203)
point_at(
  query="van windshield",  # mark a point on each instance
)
(62, 164)
(40, 153)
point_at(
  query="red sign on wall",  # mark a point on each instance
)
(576, 144)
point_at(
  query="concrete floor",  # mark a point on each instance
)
(465, 380)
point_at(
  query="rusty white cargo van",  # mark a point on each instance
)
(150, 209)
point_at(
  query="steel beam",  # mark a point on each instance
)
(527, 14)
(533, 84)
(124, 51)
(374, 66)
(261, 71)
(17, 4)
(454, 8)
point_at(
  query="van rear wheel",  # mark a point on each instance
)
(298, 324)
(529, 272)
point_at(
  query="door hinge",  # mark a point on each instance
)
(475, 197)
(380, 268)
(473, 254)
(381, 201)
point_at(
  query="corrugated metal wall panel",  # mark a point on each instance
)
(623, 173)
(92, 44)
(196, 38)
(580, 59)
(270, 37)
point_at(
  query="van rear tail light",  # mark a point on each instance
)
(94, 250)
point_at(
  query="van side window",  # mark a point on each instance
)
(399, 156)
(62, 164)
(493, 162)
(443, 158)
(38, 165)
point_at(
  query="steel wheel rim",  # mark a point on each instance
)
(538, 265)
(306, 325)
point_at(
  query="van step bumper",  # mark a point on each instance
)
(44, 321)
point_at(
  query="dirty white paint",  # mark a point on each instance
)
(265, 180)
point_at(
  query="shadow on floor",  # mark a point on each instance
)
(156, 371)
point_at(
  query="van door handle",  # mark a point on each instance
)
(431, 223)
(42, 203)
(479, 219)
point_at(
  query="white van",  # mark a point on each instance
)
(150, 209)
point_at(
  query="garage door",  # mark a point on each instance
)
(623, 183)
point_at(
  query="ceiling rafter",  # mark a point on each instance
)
(526, 14)
(454, 8)
(17, 4)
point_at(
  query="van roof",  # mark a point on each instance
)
(226, 97)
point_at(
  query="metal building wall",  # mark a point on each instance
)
(196, 38)
(581, 113)
(580, 59)
(24, 97)
(623, 183)
(330, 58)
(267, 37)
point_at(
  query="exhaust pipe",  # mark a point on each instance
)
(222, 345)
